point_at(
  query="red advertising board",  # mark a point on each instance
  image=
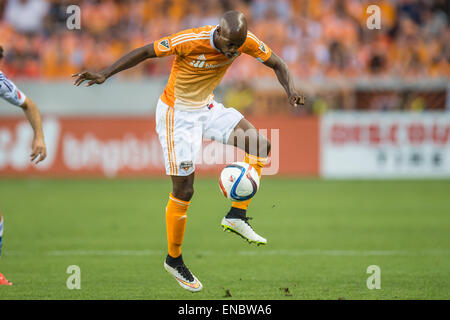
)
(94, 146)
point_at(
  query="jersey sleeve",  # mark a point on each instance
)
(256, 48)
(10, 92)
(173, 44)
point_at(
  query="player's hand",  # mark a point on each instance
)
(39, 151)
(297, 99)
(93, 78)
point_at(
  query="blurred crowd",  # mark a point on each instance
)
(317, 38)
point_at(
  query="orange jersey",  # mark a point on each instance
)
(199, 67)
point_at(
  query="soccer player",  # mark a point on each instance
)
(12, 94)
(187, 112)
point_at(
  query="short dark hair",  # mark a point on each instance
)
(1, 52)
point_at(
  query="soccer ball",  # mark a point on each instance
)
(239, 181)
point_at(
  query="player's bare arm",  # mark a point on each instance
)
(285, 78)
(38, 148)
(12, 94)
(128, 61)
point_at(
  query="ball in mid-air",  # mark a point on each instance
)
(239, 181)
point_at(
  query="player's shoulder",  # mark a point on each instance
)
(191, 40)
(255, 47)
(192, 34)
(252, 40)
(251, 36)
(2, 77)
(254, 43)
(184, 42)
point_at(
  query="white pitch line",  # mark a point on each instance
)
(105, 253)
(354, 253)
(260, 252)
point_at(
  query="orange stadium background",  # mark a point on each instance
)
(353, 77)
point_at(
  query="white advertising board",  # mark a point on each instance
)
(385, 145)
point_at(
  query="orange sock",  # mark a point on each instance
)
(257, 163)
(175, 224)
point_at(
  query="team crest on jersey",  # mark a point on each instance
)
(185, 165)
(164, 45)
(262, 47)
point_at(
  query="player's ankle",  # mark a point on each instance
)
(173, 262)
(236, 213)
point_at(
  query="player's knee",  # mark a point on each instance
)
(269, 146)
(188, 192)
(184, 193)
(264, 147)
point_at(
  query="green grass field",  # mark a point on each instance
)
(322, 236)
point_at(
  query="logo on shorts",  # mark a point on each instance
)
(185, 165)
(164, 45)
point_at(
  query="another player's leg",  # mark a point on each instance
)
(257, 148)
(3, 280)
